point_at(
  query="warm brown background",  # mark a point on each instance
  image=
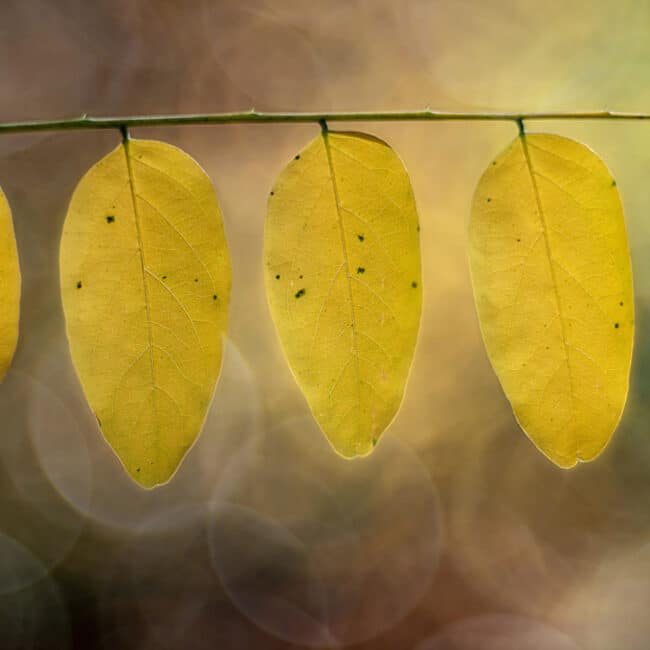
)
(455, 533)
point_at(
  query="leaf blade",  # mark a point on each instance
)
(553, 287)
(145, 277)
(347, 313)
(10, 287)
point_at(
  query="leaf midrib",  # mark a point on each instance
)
(556, 292)
(346, 261)
(143, 269)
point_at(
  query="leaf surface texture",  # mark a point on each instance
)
(342, 265)
(145, 277)
(553, 288)
(9, 287)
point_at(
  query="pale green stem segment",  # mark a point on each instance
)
(258, 117)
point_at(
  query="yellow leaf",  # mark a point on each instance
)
(342, 254)
(553, 288)
(9, 288)
(145, 278)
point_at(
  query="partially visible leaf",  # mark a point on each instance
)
(145, 277)
(9, 288)
(553, 288)
(342, 263)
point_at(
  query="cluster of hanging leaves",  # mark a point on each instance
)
(145, 280)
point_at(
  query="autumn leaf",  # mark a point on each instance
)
(342, 260)
(9, 288)
(145, 278)
(553, 287)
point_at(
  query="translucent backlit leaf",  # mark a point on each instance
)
(342, 264)
(9, 288)
(145, 277)
(553, 288)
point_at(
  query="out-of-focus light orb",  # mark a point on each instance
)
(522, 532)
(233, 420)
(322, 551)
(18, 567)
(59, 446)
(498, 632)
(288, 55)
(611, 610)
(161, 591)
(36, 510)
(32, 611)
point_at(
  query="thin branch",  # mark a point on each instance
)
(256, 117)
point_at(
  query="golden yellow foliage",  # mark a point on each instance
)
(9, 287)
(145, 278)
(342, 256)
(553, 288)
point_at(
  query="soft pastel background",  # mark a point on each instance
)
(455, 533)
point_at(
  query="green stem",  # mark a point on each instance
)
(256, 117)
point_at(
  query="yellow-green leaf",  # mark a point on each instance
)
(553, 288)
(342, 256)
(9, 287)
(145, 278)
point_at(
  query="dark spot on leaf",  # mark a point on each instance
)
(300, 293)
(214, 297)
(196, 279)
(494, 162)
(360, 237)
(137, 469)
(489, 199)
(361, 269)
(110, 218)
(164, 277)
(272, 193)
(414, 284)
(418, 227)
(613, 183)
(621, 303)
(374, 441)
(79, 285)
(518, 239)
(277, 277)
(301, 277)
(297, 157)
(616, 325)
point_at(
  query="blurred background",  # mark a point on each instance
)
(455, 533)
